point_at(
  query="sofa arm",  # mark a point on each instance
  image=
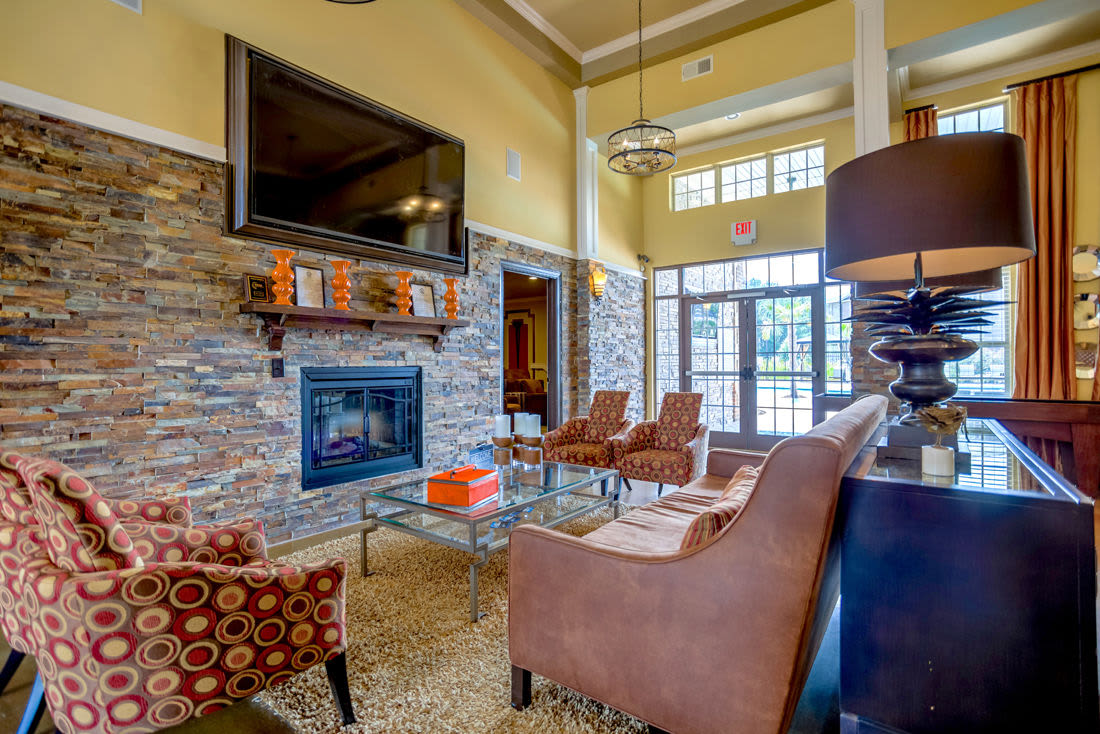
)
(638, 438)
(726, 462)
(169, 511)
(238, 544)
(570, 432)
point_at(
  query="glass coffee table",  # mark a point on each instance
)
(546, 495)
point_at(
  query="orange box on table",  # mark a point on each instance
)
(464, 486)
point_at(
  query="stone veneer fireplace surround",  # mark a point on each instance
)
(123, 352)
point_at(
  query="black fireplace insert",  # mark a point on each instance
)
(359, 422)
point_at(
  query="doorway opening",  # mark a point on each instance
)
(529, 335)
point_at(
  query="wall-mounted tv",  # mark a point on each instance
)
(317, 166)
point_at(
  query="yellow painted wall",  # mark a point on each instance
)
(427, 58)
(620, 205)
(539, 336)
(788, 221)
(911, 20)
(813, 40)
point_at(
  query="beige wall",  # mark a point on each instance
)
(427, 58)
(621, 217)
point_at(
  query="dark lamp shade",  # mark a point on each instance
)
(961, 201)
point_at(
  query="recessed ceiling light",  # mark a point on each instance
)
(733, 116)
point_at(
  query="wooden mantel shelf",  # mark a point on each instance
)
(277, 319)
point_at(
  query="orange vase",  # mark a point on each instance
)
(404, 292)
(283, 276)
(341, 285)
(450, 298)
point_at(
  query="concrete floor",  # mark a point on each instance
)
(817, 713)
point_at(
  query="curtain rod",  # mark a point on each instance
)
(920, 109)
(1059, 75)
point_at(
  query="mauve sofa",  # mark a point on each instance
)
(716, 638)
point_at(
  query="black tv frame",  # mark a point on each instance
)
(240, 221)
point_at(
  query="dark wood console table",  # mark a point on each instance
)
(967, 604)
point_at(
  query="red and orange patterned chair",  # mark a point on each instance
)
(139, 626)
(587, 440)
(669, 450)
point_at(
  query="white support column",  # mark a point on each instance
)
(870, 77)
(588, 245)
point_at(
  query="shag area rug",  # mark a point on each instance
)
(415, 661)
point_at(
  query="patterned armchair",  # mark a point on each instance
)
(138, 626)
(669, 450)
(587, 440)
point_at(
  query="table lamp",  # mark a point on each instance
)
(934, 207)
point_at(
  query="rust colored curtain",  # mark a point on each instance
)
(921, 123)
(1046, 118)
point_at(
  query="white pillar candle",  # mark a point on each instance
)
(938, 461)
(534, 426)
(502, 426)
(520, 423)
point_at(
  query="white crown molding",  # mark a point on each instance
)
(1019, 67)
(765, 132)
(661, 27)
(546, 28)
(55, 107)
(526, 241)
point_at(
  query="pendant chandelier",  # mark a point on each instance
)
(643, 148)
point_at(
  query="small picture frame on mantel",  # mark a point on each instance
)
(423, 300)
(257, 288)
(309, 287)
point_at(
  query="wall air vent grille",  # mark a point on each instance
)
(134, 5)
(513, 164)
(692, 69)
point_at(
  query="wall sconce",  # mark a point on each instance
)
(642, 260)
(597, 279)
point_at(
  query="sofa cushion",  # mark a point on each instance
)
(607, 414)
(745, 473)
(83, 534)
(678, 420)
(659, 526)
(708, 523)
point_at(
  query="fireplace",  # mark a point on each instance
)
(359, 422)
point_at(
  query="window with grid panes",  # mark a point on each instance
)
(988, 119)
(798, 169)
(745, 179)
(838, 339)
(693, 190)
(666, 313)
(985, 373)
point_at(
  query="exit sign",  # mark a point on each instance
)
(743, 233)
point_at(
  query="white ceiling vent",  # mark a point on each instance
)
(692, 69)
(134, 5)
(513, 164)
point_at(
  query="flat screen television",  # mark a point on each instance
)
(317, 166)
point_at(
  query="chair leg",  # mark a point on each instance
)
(521, 688)
(627, 483)
(36, 707)
(660, 486)
(10, 666)
(337, 670)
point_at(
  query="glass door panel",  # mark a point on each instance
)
(785, 373)
(717, 344)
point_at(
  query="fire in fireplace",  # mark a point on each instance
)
(359, 422)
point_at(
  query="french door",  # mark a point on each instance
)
(758, 359)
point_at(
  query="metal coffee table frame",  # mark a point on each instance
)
(609, 497)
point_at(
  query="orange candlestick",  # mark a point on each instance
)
(341, 285)
(450, 298)
(404, 292)
(283, 276)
